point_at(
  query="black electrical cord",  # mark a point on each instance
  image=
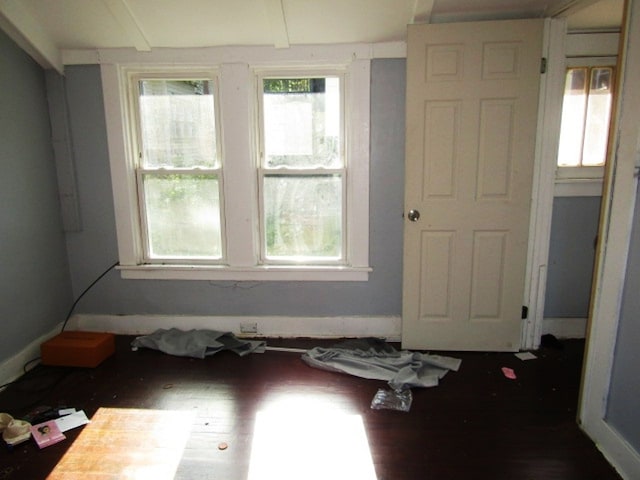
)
(67, 371)
(83, 293)
(24, 371)
(33, 360)
(24, 367)
(37, 384)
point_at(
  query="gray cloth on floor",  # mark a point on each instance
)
(196, 343)
(374, 359)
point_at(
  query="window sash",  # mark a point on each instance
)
(577, 121)
(145, 227)
(267, 259)
(141, 170)
(305, 171)
(292, 115)
(174, 123)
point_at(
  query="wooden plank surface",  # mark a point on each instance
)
(127, 443)
(476, 424)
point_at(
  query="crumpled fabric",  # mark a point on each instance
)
(376, 360)
(197, 343)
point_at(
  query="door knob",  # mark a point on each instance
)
(413, 215)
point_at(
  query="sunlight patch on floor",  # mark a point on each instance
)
(302, 437)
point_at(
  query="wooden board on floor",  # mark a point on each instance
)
(127, 443)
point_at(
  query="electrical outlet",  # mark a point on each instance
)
(248, 328)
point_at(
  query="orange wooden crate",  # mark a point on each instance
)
(78, 349)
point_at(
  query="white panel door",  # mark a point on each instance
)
(472, 97)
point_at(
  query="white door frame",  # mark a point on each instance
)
(549, 116)
(618, 204)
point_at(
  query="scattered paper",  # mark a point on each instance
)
(73, 420)
(509, 373)
(66, 411)
(525, 355)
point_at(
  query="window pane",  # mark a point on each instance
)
(303, 216)
(598, 116)
(302, 122)
(183, 216)
(573, 115)
(178, 124)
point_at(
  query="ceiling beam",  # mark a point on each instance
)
(278, 22)
(124, 16)
(30, 35)
(422, 11)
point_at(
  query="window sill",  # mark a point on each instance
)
(578, 187)
(262, 273)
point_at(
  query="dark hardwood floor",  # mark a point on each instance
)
(475, 425)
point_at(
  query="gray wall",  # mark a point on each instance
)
(33, 258)
(574, 228)
(94, 248)
(35, 291)
(624, 392)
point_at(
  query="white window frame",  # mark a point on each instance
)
(260, 75)
(237, 127)
(582, 181)
(134, 76)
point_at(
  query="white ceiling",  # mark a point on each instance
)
(46, 28)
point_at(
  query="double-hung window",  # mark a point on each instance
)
(302, 171)
(586, 113)
(584, 129)
(179, 169)
(240, 172)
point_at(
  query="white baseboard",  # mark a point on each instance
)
(12, 368)
(565, 327)
(615, 449)
(286, 327)
(267, 326)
